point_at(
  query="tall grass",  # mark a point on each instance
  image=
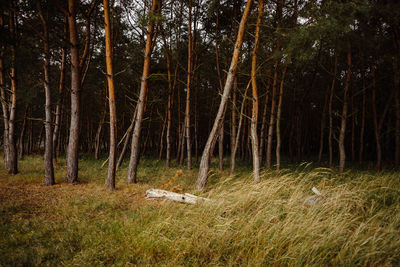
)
(358, 223)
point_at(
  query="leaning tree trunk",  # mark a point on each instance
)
(342, 152)
(110, 183)
(134, 159)
(48, 152)
(254, 116)
(205, 158)
(233, 128)
(73, 141)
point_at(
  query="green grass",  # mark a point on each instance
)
(247, 224)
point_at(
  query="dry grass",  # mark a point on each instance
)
(245, 224)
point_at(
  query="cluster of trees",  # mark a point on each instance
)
(311, 80)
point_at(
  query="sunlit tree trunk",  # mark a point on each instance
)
(254, 113)
(134, 158)
(110, 183)
(342, 134)
(205, 159)
(233, 128)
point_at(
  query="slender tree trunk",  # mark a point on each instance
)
(13, 156)
(170, 99)
(205, 159)
(161, 150)
(4, 101)
(322, 129)
(353, 129)
(396, 83)
(128, 134)
(272, 116)
(98, 135)
(342, 152)
(57, 122)
(330, 137)
(134, 159)
(188, 87)
(363, 112)
(264, 124)
(110, 183)
(73, 141)
(254, 116)
(22, 135)
(375, 120)
(237, 134)
(278, 121)
(48, 153)
(233, 128)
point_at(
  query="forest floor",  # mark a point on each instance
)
(358, 223)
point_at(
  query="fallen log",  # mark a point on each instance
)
(183, 198)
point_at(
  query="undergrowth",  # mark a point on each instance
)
(245, 223)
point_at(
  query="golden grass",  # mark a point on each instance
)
(244, 224)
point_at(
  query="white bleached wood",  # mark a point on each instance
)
(183, 198)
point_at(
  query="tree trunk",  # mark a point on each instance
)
(272, 116)
(188, 87)
(22, 135)
(342, 152)
(205, 159)
(73, 141)
(13, 157)
(278, 121)
(98, 136)
(233, 128)
(4, 101)
(396, 83)
(110, 183)
(48, 152)
(134, 159)
(126, 141)
(330, 137)
(254, 116)
(57, 121)
(264, 123)
(363, 112)
(322, 129)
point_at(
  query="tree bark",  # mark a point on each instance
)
(233, 128)
(363, 113)
(4, 100)
(110, 183)
(322, 129)
(254, 117)
(278, 121)
(342, 152)
(134, 159)
(73, 141)
(205, 159)
(98, 135)
(188, 87)
(61, 84)
(13, 157)
(330, 136)
(48, 153)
